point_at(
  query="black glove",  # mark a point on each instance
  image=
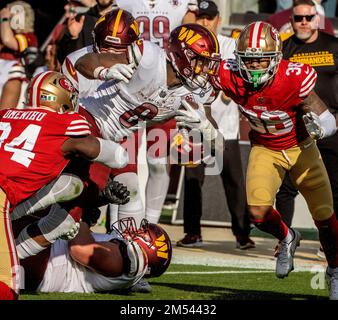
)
(115, 193)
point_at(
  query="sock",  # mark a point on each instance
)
(6, 293)
(26, 246)
(328, 236)
(153, 216)
(156, 189)
(272, 223)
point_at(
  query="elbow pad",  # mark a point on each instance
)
(327, 123)
(112, 154)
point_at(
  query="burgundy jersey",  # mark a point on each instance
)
(272, 110)
(30, 148)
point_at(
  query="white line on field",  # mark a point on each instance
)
(218, 272)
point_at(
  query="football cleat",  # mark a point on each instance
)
(141, 286)
(332, 282)
(285, 254)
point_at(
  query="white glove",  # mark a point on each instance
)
(193, 5)
(134, 53)
(195, 119)
(119, 71)
(71, 234)
(312, 124)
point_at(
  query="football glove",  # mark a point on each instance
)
(115, 193)
(119, 72)
(135, 53)
(195, 119)
(312, 125)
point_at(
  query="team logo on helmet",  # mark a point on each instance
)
(162, 247)
(66, 84)
(188, 36)
(274, 33)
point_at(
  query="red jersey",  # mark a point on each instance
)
(24, 40)
(30, 148)
(273, 110)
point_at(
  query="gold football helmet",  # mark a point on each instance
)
(258, 40)
(51, 89)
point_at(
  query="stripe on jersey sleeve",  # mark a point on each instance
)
(308, 84)
(78, 128)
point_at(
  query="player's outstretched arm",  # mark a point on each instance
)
(100, 150)
(319, 121)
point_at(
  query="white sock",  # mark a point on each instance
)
(156, 189)
(153, 216)
(289, 236)
(134, 208)
(26, 246)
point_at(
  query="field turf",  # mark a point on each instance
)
(192, 282)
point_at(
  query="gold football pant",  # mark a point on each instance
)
(9, 262)
(266, 170)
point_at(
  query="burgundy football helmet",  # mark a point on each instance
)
(194, 53)
(116, 30)
(153, 240)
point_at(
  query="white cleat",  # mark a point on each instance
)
(286, 251)
(332, 282)
(141, 286)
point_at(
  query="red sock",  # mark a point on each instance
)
(272, 223)
(328, 236)
(6, 293)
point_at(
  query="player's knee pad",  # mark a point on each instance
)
(321, 212)
(64, 188)
(56, 224)
(157, 166)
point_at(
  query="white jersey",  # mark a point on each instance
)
(63, 274)
(223, 110)
(118, 107)
(86, 87)
(156, 19)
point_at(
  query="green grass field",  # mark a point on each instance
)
(194, 283)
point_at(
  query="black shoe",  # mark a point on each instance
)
(244, 242)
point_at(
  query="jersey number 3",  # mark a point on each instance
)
(22, 145)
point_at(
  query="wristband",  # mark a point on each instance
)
(97, 72)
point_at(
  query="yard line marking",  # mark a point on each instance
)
(219, 272)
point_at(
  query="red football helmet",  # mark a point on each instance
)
(194, 53)
(115, 30)
(153, 240)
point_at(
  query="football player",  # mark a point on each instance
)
(156, 19)
(144, 83)
(285, 116)
(100, 262)
(36, 144)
